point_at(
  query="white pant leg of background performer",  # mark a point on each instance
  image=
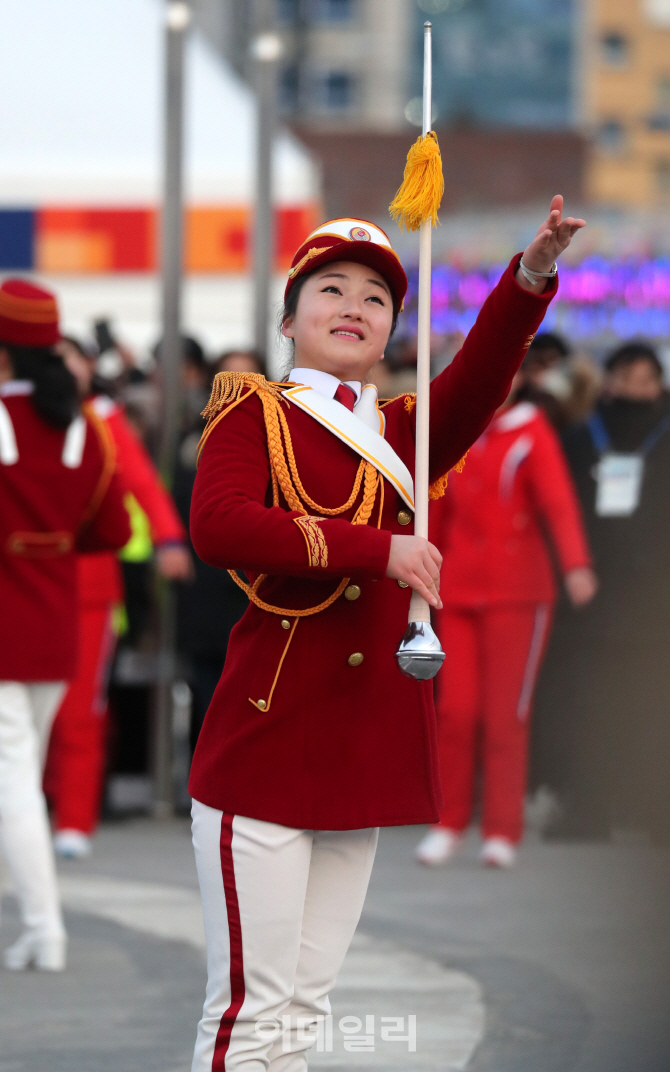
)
(26, 714)
(280, 908)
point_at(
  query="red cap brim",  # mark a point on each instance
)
(334, 248)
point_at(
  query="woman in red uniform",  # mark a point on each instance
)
(493, 527)
(313, 738)
(76, 757)
(59, 494)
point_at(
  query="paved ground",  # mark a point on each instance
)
(560, 966)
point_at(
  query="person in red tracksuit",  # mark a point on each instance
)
(496, 527)
(76, 757)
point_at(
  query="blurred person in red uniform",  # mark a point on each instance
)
(59, 495)
(314, 739)
(497, 526)
(76, 757)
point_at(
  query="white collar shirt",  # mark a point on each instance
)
(323, 382)
(365, 406)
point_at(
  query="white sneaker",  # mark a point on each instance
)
(72, 844)
(35, 950)
(438, 846)
(498, 852)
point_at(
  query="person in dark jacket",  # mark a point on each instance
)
(210, 606)
(603, 705)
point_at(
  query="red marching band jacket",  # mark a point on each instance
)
(99, 576)
(494, 520)
(59, 494)
(312, 725)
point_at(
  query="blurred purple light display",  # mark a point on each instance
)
(598, 297)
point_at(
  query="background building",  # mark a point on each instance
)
(497, 63)
(350, 87)
(345, 63)
(625, 79)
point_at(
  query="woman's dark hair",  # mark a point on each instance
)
(98, 385)
(631, 352)
(55, 394)
(291, 303)
(549, 340)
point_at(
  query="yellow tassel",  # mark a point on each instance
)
(419, 196)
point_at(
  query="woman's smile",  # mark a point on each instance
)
(349, 333)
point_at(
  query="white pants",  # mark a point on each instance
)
(26, 715)
(280, 908)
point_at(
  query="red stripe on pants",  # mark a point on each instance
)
(235, 937)
(493, 655)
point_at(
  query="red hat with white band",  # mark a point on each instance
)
(350, 240)
(28, 314)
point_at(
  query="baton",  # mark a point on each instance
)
(420, 654)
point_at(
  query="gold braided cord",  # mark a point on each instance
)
(231, 388)
(410, 401)
(311, 253)
(286, 612)
(327, 511)
(372, 480)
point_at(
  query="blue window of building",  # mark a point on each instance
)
(290, 11)
(498, 63)
(335, 91)
(288, 88)
(332, 10)
(17, 238)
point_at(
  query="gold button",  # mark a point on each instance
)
(261, 704)
(285, 623)
(352, 592)
(404, 517)
(403, 584)
(356, 659)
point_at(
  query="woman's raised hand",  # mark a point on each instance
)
(553, 236)
(416, 562)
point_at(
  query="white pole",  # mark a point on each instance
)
(178, 17)
(420, 655)
(419, 611)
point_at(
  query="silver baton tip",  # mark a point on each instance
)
(420, 654)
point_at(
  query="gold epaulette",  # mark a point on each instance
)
(228, 390)
(439, 486)
(230, 387)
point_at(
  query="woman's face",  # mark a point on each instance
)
(343, 320)
(638, 382)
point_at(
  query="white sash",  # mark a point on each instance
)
(357, 435)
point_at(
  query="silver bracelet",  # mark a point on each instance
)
(533, 277)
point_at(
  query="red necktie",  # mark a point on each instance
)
(346, 395)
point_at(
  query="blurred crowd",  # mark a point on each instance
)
(530, 500)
